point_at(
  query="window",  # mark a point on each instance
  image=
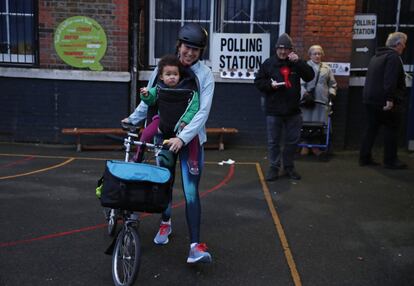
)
(394, 16)
(17, 32)
(223, 16)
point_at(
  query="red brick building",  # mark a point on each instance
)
(42, 93)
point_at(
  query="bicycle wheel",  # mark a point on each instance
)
(112, 222)
(126, 257)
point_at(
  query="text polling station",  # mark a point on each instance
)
(239, 56)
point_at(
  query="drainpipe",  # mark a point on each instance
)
(134, 52)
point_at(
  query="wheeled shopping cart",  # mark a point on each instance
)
(317, 134)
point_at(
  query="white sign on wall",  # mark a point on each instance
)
(365, 27)
(340, 68)
(239, 56)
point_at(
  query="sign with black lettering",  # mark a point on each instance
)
(339, 69)
(239, 56)
(365, 27)
(363, 40)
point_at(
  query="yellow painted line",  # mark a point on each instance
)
(53, 157)
(38, 171)
(121, 158)
(279, 228)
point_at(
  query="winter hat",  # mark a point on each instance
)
(284, 41)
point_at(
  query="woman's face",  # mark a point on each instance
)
(316, 56)
(188, 55)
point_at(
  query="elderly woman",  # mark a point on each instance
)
(323, 86)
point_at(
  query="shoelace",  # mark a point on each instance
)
(201, 247)
(164, 228)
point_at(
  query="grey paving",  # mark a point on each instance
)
(344, 224)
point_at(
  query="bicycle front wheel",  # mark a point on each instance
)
(112, 222)
(126, 257)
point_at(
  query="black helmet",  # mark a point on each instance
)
(193, 35)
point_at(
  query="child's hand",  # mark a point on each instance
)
(143, 91)
(125, 120)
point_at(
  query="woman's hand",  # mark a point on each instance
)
(175, 144)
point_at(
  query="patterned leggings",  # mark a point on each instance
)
(190, 187)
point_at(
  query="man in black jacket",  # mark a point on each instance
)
(279, 79)
(383, 93)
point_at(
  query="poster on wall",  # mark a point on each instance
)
(81, 42)
(239, 56)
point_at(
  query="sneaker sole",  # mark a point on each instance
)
(162, 242)
(202, 259)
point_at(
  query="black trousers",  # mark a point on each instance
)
(376, 118)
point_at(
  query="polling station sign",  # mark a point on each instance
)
(239, 56)
(363, 40)
(81, 42)
(365, 27)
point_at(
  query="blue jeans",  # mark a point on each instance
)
(283, 130)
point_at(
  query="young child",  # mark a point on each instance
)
(177, 101)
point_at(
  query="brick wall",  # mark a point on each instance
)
(112, 15)
(327, 23)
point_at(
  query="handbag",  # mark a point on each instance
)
(135, 187)
(308, 98)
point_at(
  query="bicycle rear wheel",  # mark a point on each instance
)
(126, 257)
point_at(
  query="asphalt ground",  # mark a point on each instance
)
(340, 225)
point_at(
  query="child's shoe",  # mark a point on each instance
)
(193, 167)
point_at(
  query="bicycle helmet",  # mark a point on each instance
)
(193, 35)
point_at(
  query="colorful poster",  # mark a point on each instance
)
(81, 42)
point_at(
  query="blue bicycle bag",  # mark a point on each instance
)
(135, 187)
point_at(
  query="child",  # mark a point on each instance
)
(177, 101)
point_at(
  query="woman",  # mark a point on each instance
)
(324, 88)
(191, 42)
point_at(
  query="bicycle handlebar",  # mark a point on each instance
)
(163, 146)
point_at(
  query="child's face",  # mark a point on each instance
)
(170, 76)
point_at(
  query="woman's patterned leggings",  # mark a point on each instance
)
(190, 187)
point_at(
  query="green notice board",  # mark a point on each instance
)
(81, 42)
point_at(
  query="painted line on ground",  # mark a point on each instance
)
(38, 171)
(279, 228)
(226, 179)
(28, 158)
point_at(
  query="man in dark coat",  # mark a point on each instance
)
(279, 79)
(382, 97)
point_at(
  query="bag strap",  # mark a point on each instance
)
(317, 77)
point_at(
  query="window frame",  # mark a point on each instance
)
(21, 59)
(215, 24)
(383, 29)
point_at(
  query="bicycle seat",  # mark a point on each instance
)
(130, 127)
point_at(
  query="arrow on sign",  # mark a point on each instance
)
(363, 50)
